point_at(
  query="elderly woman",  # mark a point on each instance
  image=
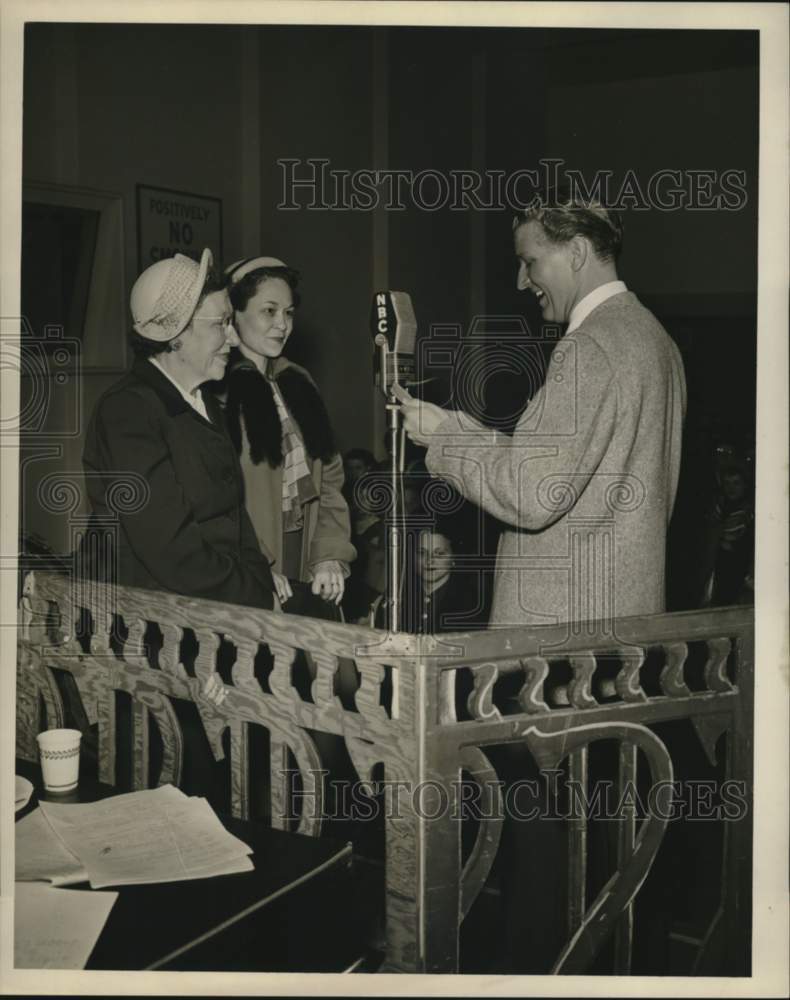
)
(293, 475)
(192, 535)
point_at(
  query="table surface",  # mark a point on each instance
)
(151, 925)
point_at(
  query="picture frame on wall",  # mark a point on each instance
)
(170, 222)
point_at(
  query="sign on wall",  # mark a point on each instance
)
(170, 222)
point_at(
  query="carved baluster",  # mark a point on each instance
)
(140, 745)
(107, 730)
(69, 628)
(580, 688)
(627, 683)
(530, 697)
(211, 715)
(368, 697)
(672, 680)
(626, 836)
(481, 701)
(446, 700)
(710, 727)
(280, 679)
(322, 688)
(243, 670)
(281, 778)
(577, 838)
(239, 769)
(102, 629)
(716, 677)
(206, 659)
(170, 653)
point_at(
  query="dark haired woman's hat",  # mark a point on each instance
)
(166, 295)
(237, 271)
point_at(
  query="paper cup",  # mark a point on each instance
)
(60, 758)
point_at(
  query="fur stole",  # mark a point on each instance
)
(249, 395)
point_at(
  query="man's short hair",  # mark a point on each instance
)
(566, 214)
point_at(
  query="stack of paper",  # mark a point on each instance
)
(41, 854)
(57, 928)
(157, 835)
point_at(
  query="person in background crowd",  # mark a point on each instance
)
(438, 591)
(436, 597)
(293, 475)
(356, 462)
(730, 543)
(366, 581)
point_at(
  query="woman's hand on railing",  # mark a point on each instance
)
(329, 581)
(282, 587)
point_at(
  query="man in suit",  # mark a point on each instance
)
(585, 489)
(589, 476)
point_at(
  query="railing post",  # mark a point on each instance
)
(423, 843)
(738, 833)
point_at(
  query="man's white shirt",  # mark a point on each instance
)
(592, 300)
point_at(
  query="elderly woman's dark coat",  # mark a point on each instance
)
(191, 534)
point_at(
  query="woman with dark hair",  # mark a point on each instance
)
(293, 475)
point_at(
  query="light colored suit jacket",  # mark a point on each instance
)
(585, 487)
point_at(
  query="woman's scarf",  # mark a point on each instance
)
(284, 417)
(249, 395)
(298, 485)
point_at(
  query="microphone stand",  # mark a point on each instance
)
(394, 534)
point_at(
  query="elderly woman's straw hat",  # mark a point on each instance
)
(166, 295)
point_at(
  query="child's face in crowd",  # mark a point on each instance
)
(734, 486)
(434, 557)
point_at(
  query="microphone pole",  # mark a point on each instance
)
(394, 332)
(397, 514)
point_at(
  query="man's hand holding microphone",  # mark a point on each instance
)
(420, 419)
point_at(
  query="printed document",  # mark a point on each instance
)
(42, 856)
(57, 928)
(156, 835)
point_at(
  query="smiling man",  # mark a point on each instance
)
(586, 484)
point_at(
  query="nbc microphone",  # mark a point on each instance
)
(394, 329)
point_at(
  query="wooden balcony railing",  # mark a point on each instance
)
(395, 702)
